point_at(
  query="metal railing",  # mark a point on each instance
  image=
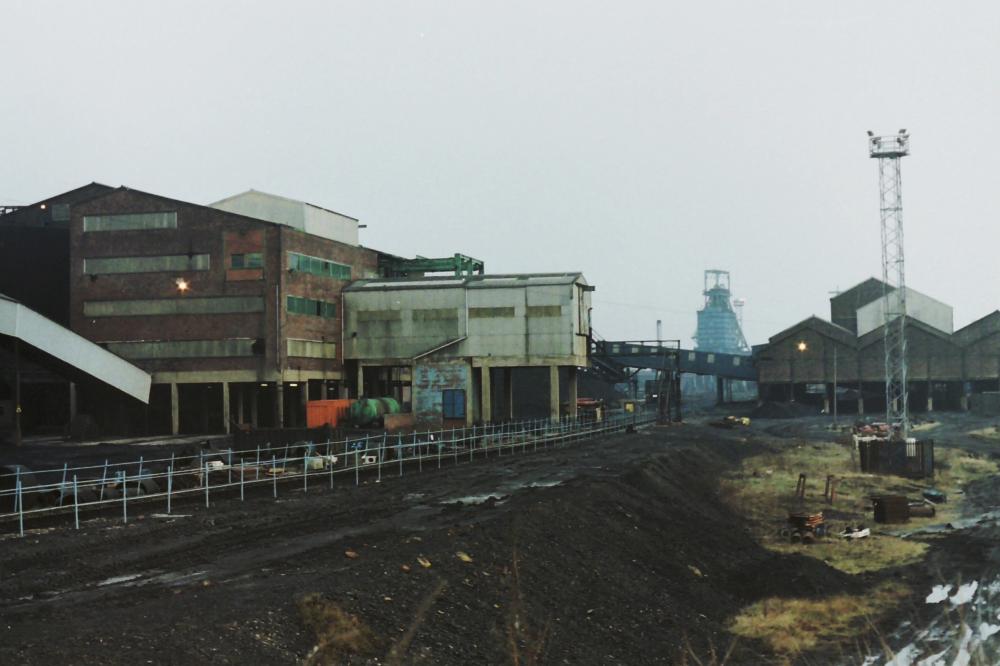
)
(70, 491)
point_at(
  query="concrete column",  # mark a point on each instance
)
(572, 391)
(175, 410)
(554, 392)
(322, 390)
(470, 403)
(72, 401)
(930, 403)
(279, 404)
(239, 403)
(254, 399)
(344, 391)
(964, 402)
(861, 406)
(361, 380)
(225, 407)
(304, 393)
(508, 393)
(826, 405)
(486, 394)
(720, 390)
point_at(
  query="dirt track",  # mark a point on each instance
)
(609, 551)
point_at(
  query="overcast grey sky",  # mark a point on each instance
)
(638, 142)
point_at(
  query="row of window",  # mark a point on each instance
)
(317, 266)
(201, 262)
(130, 221)
(310, 306)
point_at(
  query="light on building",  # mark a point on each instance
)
(42, 206)
(182, 285)
(802, 346)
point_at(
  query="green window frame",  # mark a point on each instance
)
(310, 307)
(304, 263)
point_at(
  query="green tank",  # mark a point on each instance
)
(372, 411)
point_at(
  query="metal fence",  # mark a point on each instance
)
(27, 495)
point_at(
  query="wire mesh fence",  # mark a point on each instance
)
(219, 474)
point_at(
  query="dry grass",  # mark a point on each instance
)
(991, 432)
(338, 633)
(792, 626)
(764, 491)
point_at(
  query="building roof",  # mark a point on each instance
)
(39, 213)
(878, 334)
(215, 204)
(498, 281)
(821, 326)
(859, 295)
(19, 321)
(978, 329)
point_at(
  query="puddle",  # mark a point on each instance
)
(472, 500)
(115, 580)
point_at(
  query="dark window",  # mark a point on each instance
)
(453, 404)
(309, 306)
(248, 260)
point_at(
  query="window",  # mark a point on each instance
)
(317, 266)
(490, 313)
(453, 403)
(544, 310)
(183, 348)
(312, 348)
(248, 260)
(312, 307)
(174, 306)
(170, 262)
(130, 221)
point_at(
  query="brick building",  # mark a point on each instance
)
(237, 318)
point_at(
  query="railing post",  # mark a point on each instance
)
(357, 469)
(62, 486)
(242, 472)
(274, 474)
(170, 483)
(76, 504)
(207, 482)
(20, 508)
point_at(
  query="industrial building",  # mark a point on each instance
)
(442, 340)
(238, 312)
(946, 368)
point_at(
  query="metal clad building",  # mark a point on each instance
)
(449, 331)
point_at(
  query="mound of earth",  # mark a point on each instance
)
(630, 557)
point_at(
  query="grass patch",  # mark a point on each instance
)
(763, 490)
(338, 633)
(792, 626)
(991, 433)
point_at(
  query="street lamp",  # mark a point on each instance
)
(801, 347)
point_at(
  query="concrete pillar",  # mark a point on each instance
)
(225, 407)
(175, 410)
(304, 393)
(486, 394)
(508, 393)
(470, 392)
(254, 400)
(720, 390)
(239, 403)
(861, 406)
(344, 391)
(279, 404)
(322, 390)
(361, 380)
(571, 390)
(554, 392)
(930, 403)
(72, 402)
(826, 405)
(964, 403)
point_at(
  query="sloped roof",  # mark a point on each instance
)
(978, 329)
(879, 333)
(821, 326)
(278, 196)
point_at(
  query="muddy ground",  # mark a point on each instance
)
(616, 550)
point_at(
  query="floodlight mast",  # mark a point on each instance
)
(888, 150)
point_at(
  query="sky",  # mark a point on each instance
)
(638, 142)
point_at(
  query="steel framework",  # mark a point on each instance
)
(888, 150)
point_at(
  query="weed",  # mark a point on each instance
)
(338, 633)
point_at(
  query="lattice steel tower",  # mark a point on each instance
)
(888, 150)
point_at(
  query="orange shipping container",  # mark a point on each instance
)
(323, 412)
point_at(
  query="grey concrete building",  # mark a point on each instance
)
(437, 342)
